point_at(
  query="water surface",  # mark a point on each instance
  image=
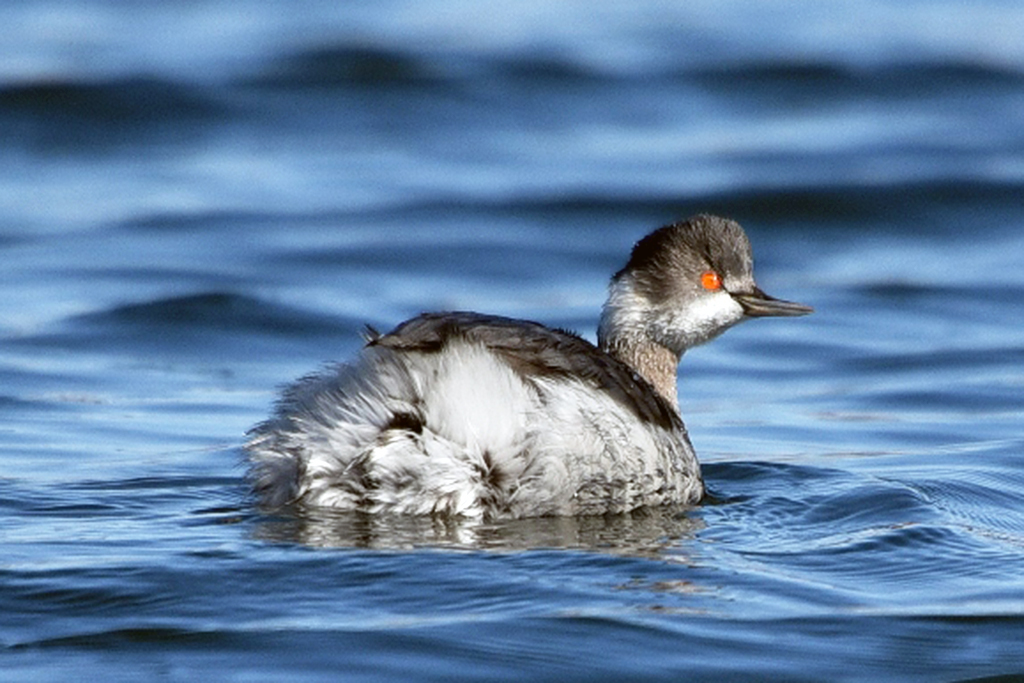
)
(199, 202)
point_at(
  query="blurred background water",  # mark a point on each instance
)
(200, 201)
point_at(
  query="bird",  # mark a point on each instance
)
(472, 415)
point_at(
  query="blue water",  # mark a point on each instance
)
(201, 201)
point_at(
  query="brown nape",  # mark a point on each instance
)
(655, 363)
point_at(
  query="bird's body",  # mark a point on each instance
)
(467, 414)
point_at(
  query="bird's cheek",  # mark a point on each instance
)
(679, 328)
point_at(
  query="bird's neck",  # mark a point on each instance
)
(623, 334)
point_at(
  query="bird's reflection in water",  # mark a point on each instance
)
(642, 533)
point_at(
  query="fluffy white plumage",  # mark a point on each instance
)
(484, 442)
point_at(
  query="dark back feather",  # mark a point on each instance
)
(534, 350)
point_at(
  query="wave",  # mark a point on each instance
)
(215, 311)
(824, 80)
(832, 205)
(89, 115)
(200, 323)
(130, 99)
(344, 65)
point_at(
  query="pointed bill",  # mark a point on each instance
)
(757, 304)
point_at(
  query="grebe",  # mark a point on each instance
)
(467, 414)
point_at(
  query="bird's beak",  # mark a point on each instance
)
(757, 304)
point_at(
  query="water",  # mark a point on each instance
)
(201, 201)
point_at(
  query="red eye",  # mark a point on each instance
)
(711, 281)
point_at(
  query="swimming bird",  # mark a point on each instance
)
(460, 413)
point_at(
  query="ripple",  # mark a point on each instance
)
(214, 310)
(820, 79)
(194, 322)
(95, 115)
(345, 66)
(829, 207)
